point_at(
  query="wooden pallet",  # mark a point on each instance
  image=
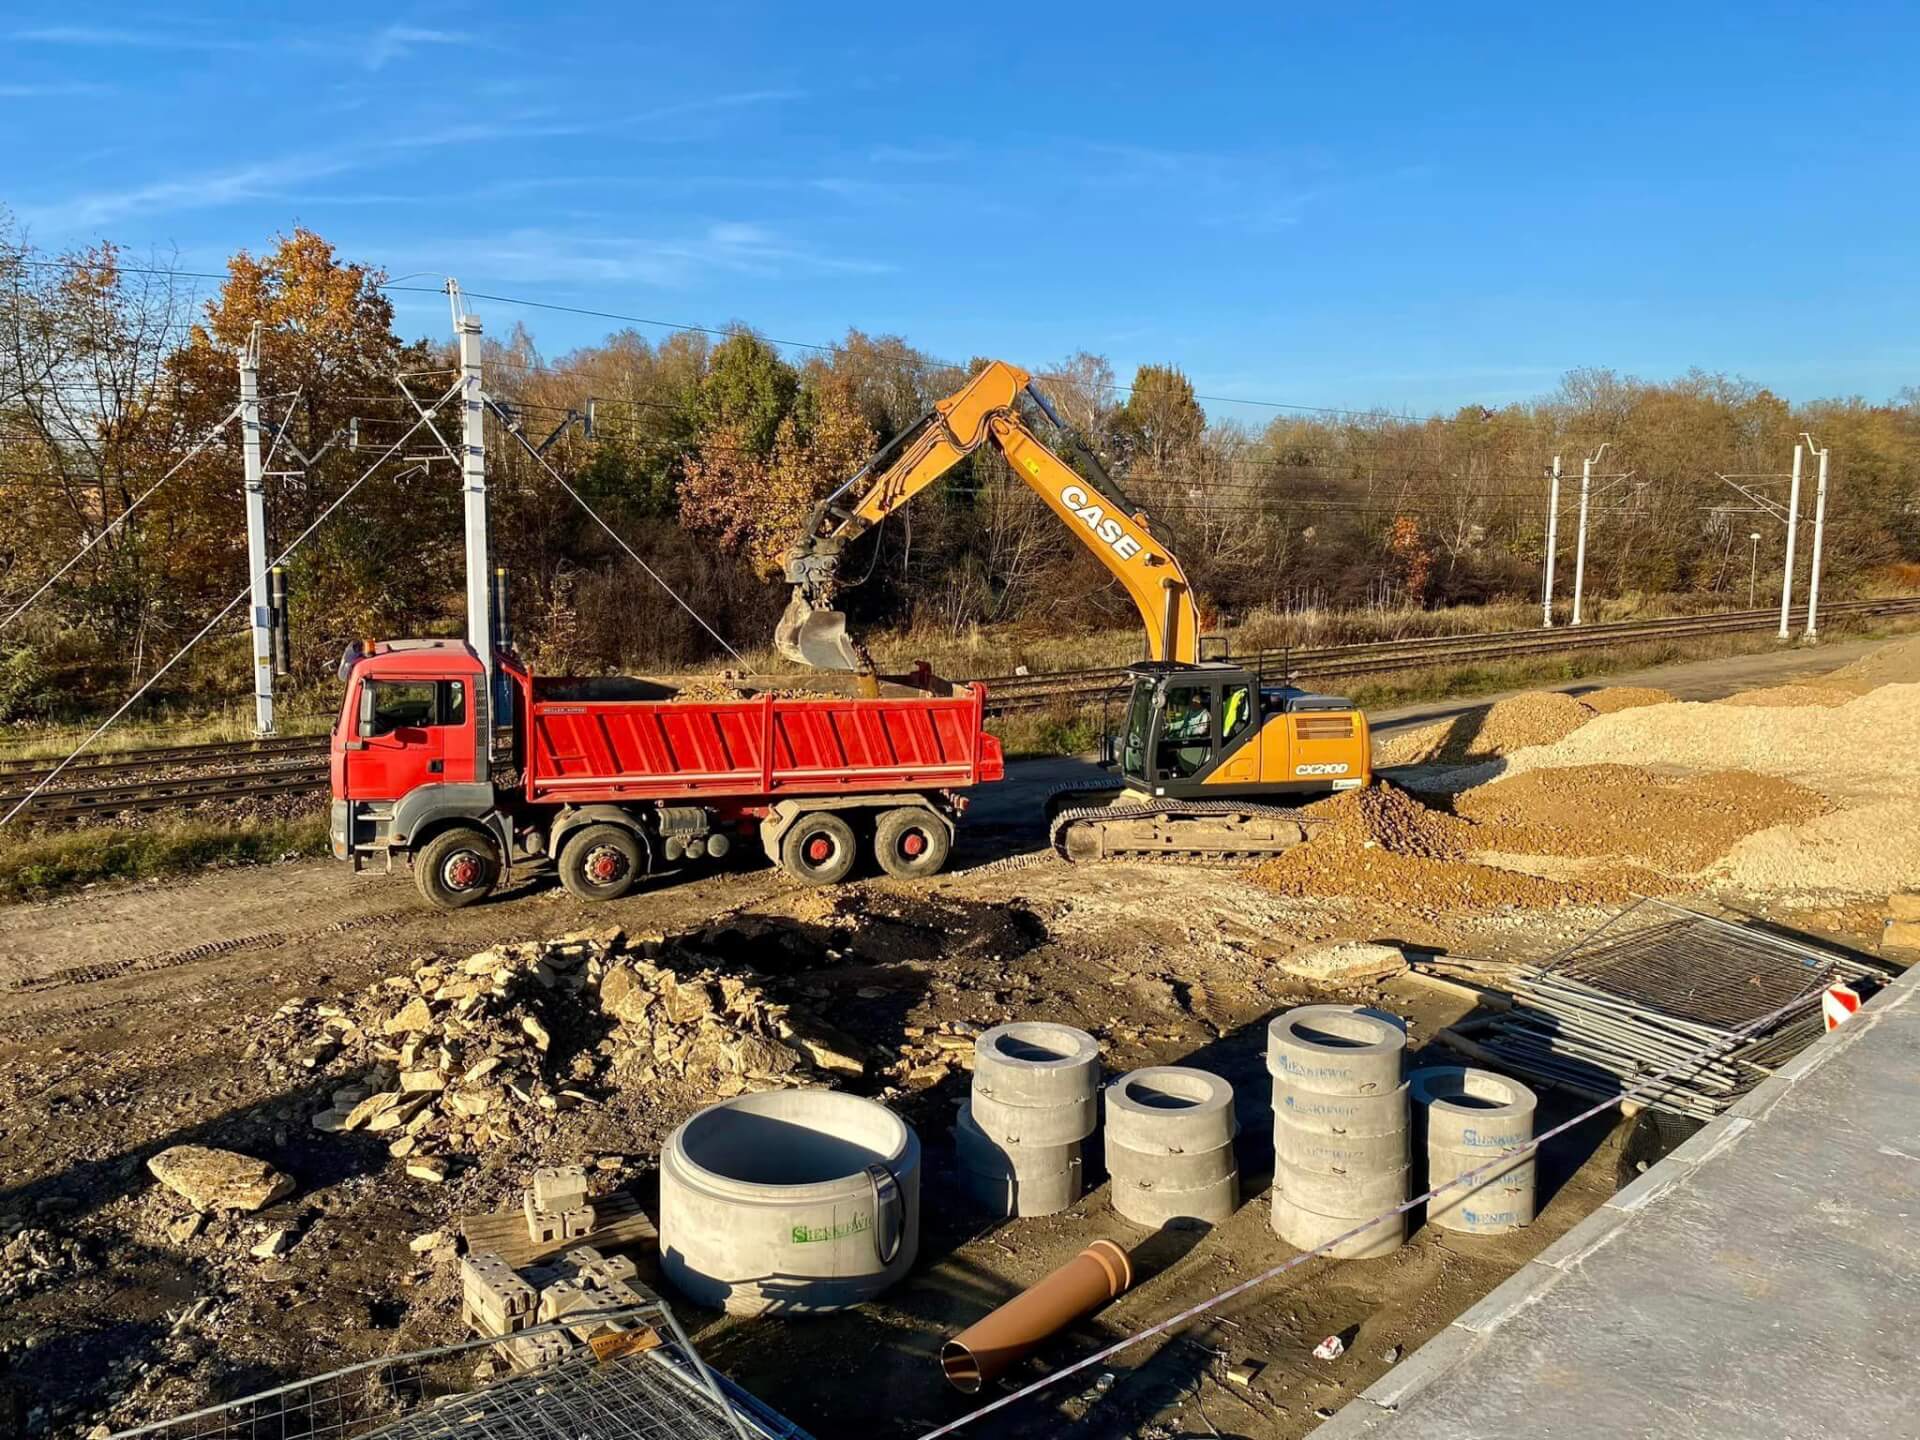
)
(622, 1225)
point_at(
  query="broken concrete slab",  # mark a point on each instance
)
(211, 1179)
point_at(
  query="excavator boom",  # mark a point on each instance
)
(812, 632)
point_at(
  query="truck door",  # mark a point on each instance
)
(415, 738)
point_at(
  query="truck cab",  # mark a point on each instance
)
(411, 755)
(1217, 729)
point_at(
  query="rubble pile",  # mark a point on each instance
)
(452, 1058)
(33, 1259)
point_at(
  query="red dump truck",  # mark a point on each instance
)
(610, 780)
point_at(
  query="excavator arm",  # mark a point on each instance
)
(982, 412)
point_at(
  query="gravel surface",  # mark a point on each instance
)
(1826, 696)
(1539, 717)
(1611, 698)
(1869, 850)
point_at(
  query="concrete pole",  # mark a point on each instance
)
(1793, 527)
(1553, 541)
(1753, 568)
(1819, 536)
(1580, 546)
(473, 469)
(262, 605)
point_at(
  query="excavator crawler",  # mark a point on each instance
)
(1210, 754)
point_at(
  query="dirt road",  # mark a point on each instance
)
(126, 1019)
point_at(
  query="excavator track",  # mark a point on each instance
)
(1203, 832)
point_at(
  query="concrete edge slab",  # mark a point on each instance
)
(1709, 1141)
(1415, 1371)
(1583, 1239)
(1519, 1290)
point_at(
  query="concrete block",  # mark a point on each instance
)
(494, 1300)
(1356, 1196)
(1341, 1154)
(1155, 1207)
(1306, 1230)
(560, 1187)
(1169, 1172)
(535, 1352)
(1342, 1049)
(1650, 1185)
(1341, 1114)
(1034, 1062)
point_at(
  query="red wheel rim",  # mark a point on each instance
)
(819, 849)
(462, 871)
(605, 865)
(913, 843)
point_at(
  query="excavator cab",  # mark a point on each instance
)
(1218, 730)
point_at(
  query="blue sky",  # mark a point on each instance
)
(1332, 204)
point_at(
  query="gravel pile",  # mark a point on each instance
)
(1485, 732)
(1677, 823)
(1381, 845)
(1612, 698)
(1869, 747)
(1868, 851)
(1894, 664)
(1825, 696)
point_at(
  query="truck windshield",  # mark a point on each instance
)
(1133, 749)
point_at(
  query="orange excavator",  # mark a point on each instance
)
(1211, 752)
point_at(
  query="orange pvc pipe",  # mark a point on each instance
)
(987, 1348)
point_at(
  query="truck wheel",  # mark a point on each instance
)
(602, 862)
(910, 841)
(457, 868)
(819, 849)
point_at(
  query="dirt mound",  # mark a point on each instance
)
(1678, 823)
(1612, 698)
(1897, 663)
(1382, 845)
(1824, 696)
(1486, 732)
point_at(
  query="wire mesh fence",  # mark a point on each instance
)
(1712, 1004)
(661, 1390)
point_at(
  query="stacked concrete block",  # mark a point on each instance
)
(1035, 1101)
(1169, 1146)
(556, 1206)
(1471, 1118)
(494, 1300)
(1342, 1137)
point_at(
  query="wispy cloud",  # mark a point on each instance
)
(676, 261)
(729, 101)
(52, 90)
(396, 42)
(268, 179)
(112, 39)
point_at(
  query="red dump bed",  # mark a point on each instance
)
(597, 750)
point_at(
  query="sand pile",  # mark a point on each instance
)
(1612, 698)
(1827, 697)
(1870, 850)
(1894, 664)
(1677, 823)
(1539, 717)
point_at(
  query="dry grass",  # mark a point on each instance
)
(33, 867)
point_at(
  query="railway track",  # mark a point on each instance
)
(1014, 693)
(140, 780)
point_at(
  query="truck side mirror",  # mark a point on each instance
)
(364, 727)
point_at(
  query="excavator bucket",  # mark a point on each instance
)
(814, 637)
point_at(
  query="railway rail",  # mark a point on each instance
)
(169, 777)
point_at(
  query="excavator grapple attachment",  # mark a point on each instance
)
(815, 637)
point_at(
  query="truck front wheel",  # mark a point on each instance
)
(910, 842)
(457, 868)
(819, 849)
(602, 862)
